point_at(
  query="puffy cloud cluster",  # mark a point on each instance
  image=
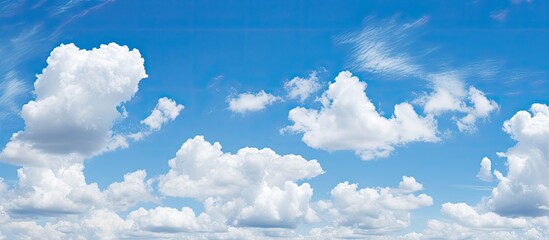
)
(467, 222)
(254, 187)
(76, 102)
(524, 191)
(348, 120)
(302, 88)
(371, 211)
(71, 119)
(44, 191)
(251, 102)
(451, 95)
(517, 207)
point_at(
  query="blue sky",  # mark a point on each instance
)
(288, 119)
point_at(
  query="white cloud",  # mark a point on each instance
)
(302, 88)
(134, 189)
(170, 220)
(348, 120)
(373, 211)
(75, 106)
(524, 191)
(166, 110)
(499, 15)
(450, 95)
(480, 109)
(250, 102)
(10, 89)
(76, 102)
(44, 191)
(468, 223)
(383, 48)
(485, 172)
(380, 49)
(469, 217)
(241, 188)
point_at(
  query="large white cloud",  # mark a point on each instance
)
(254, 187)
(44, 191)
(251, 102)
(348, 120)
(467, 222)
(69, 120)
(524, 191)
(372, 211)
(76, 102)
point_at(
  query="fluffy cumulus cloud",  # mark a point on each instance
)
(251, 102)
(254, 187)
(75, 107)
(450, 95)
(134, 189)
(371, 211)
(517, 207)
(44, 191)
(70, 119)
(348, 120)
(302, 88)
(166, 110)
(524, 191)
(466, 222)
(485, 172)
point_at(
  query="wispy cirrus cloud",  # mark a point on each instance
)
(387, 49)
(381, 49)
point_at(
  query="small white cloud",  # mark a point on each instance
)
(499, 15)
(485, 172)
(450, 95)
(165, 110)
(10, 89)
(250, 102)
(480, 109)
(302, 88)
(409, 185)
(348, 120)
